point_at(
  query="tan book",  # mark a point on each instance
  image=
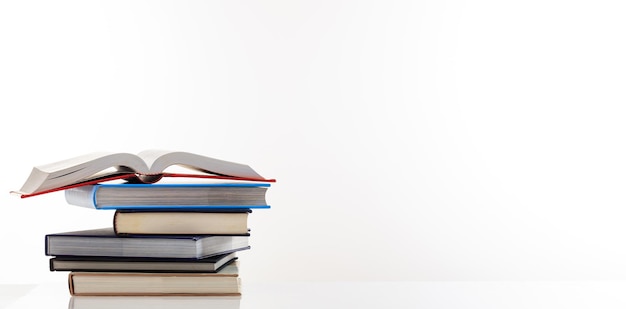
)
(129, 222)
(154, 302)
(223, 283)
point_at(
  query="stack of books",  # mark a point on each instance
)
(171, 233)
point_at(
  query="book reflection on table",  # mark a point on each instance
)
(154, 302)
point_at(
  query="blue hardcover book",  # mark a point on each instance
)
(163, 196)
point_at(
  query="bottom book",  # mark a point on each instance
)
(223, 283)
(154, 302)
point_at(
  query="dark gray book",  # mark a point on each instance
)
(104, 242)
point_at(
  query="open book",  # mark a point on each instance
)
(148, 166)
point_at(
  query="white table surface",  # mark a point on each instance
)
(422, 295)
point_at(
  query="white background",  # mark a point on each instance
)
(411, 140)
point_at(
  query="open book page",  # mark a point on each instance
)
(81, 168)
(160, 160)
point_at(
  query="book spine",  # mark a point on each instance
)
(70, 283)
(84, 196)
(115, 229)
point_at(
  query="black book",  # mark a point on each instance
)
(154, 265)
